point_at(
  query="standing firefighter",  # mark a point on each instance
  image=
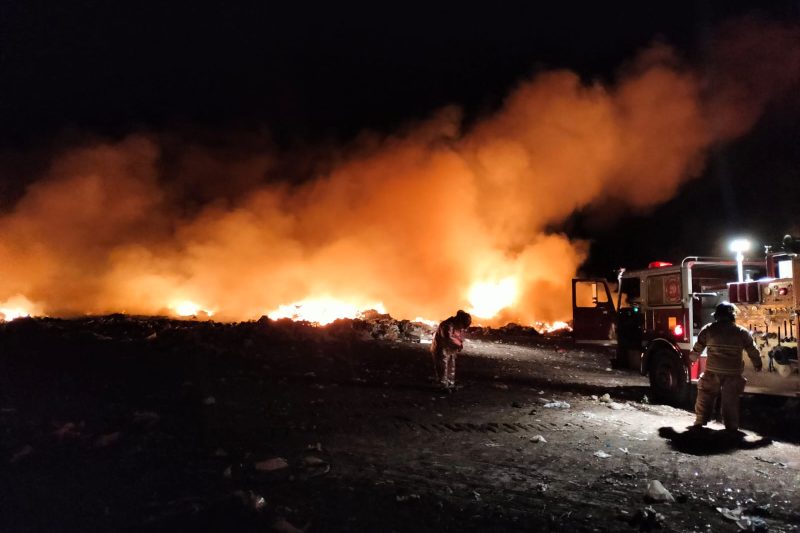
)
(724, 366)
(447, 342)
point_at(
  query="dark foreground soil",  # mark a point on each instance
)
(126, 424)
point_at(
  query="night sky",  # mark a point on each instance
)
(311, 74)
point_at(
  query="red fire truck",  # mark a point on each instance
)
(652, 317)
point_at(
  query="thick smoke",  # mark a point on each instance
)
(411, 221)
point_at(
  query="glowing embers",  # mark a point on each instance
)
(322, 310)
(187, 308)
(488, 298)
(550, 327)
(16, 307)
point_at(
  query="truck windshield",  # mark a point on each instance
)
(630, 293)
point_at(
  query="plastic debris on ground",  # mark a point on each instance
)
(281, 525)
(22, 453)
(601, 454)
(538, 438)
(648, 519)
(744, 522)
(656, 492)
(268, 465)
(107, 439)
(557, 404)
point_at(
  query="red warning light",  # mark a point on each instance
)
(659, 264)
(678, 330)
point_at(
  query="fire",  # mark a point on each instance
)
(431, 323)
(187, 308)
(16, 307)
(322, 311)
(550, 327)
(488, 298)
(404, 218)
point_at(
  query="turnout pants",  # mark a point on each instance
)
(444, 366)
(729, 387)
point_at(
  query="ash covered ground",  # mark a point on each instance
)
(148, 424)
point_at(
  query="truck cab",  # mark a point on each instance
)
(651, 318)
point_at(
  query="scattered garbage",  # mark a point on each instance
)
(730, 514)
(657, 493)
(601, 454)
(281, 525)
(210, 401)
(68, 430)
(744, 522)
(107, 439)
(776, 463)
(538, 438)
(623, 450)
(315, 466)
(616, 406)
(605, 398)
(21, 454)
(251, 500)
(648, 519)
(269, 465)
(501, 386)
(146, 418)
(557, 404)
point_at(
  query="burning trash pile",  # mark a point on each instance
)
(243, 338)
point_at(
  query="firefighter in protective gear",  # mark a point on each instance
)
(725, 342)
(447, 342)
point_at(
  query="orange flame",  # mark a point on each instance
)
(17, 307)
(322, 311)
(440, 217)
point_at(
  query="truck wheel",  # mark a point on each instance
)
(668, 383)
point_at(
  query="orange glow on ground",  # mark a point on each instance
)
(322, 311)
(188, 308)
(16, 307)
(549, 327)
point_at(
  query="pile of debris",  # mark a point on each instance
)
(243, 337)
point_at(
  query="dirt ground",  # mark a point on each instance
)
(125, 424)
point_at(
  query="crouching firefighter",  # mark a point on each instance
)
(725, 342)
(447, 342)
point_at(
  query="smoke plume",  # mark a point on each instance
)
(414, 221)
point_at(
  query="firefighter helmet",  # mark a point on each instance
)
(725, 311)
(464, 318)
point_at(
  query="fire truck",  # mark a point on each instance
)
(651, 318)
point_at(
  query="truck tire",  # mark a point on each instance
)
(668, 379)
